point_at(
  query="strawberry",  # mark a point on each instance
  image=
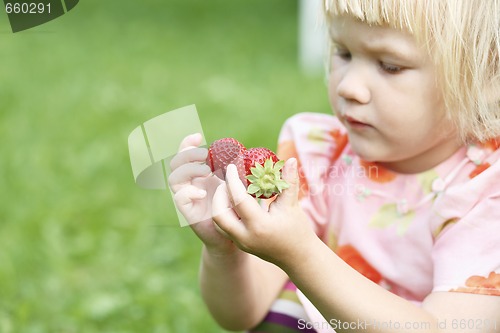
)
(263, 173)
(223, 152)
(258, 155)
(258, 168)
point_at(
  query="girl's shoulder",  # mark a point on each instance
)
(312, 135)
(316, 140)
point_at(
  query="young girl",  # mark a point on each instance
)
(391, 222)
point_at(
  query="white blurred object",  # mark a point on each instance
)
(312, 37)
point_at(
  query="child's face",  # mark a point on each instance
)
(383, 87)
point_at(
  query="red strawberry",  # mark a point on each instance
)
(257, 155)
(263, 172)
(223, 152)
(259, 168)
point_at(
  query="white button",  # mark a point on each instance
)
(438, 185)
(476, 155)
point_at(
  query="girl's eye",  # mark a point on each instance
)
(391, 69)
(345, 55)
(342, 54)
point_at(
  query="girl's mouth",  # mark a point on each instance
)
(355, 124)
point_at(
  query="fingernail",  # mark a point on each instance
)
(196, 136)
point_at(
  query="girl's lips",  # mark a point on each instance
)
(354, 123)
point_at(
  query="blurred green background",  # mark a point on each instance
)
(82, 248)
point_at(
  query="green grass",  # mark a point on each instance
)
(82, 248)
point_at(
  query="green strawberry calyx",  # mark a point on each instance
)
(265, 180)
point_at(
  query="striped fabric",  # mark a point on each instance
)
(286, 314)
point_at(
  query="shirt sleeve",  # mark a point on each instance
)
(316, 141)
(466, 252)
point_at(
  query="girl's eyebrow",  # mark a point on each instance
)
(401, 52)
(380, 47)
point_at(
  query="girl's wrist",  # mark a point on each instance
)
(302, 254)
(218, 255)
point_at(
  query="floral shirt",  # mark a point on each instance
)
(413, 234)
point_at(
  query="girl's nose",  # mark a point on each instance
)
(353, 85)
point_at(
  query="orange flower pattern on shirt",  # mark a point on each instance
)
(354, 259)
(376, 172)
(482, 285)
(480, 168)
(286, 150)
(337, 138)
(492, 144)
(340, 140)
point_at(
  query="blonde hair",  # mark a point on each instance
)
(463, 38)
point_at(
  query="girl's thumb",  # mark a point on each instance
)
(290, 174)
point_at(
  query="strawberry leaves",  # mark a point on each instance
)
(265, 180)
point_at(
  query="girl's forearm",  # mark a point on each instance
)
(349, 301)
(238, 288)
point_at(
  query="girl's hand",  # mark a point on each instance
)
(194, 185)
(275, 235)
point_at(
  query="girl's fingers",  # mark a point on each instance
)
(222, 213)
(188, 155)
(192, 140)
(245, 205)
(185, 174)
(290, 174)
(187, 194)
(189, 201)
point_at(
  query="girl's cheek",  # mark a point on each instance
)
(332, 90)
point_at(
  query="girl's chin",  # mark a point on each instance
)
(367, 153)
